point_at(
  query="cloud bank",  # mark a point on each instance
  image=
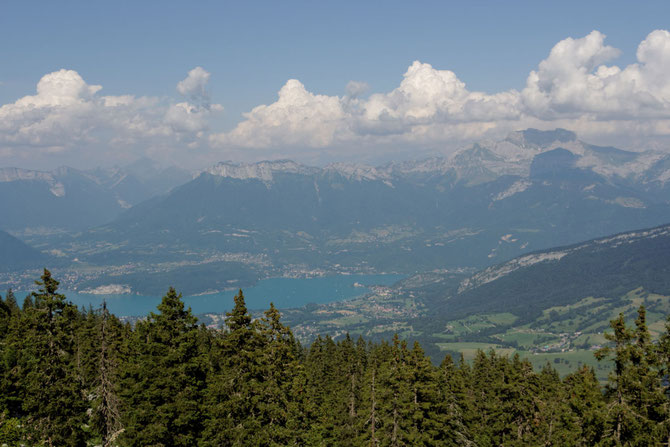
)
(67, 116)
(574, 87)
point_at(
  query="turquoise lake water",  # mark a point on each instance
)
(283, 292)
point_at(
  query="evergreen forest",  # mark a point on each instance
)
(72, 377)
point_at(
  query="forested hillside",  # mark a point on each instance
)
(71, 377)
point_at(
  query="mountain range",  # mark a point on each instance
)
(67, 199)
(484, 204)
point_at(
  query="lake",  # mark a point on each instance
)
(283, 292)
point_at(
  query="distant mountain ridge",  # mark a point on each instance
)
(483, 161)
(71, 199)
(489, 202)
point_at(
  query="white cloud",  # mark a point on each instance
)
(67, 115)
(426, 97)
(574, 81)
(192, 116)
(573, 87)
(297, 118)
(194, 86)
(577, 87)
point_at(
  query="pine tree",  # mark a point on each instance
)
(234, 387)
(487, 412)
(371, 423)
(327, 406)
(663, 353)
(646, 390)
(552, 423)
(396, 397)
(427, 421)
(278, 367)
(11, 362)
(10, 302)
(453, 404)
(351, 362)
(627, 422)
(53, 402)
(27, 303)
(164, 378)
(586, 404)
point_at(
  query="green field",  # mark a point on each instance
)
(568, 362)
(563, 362)
(469, 349)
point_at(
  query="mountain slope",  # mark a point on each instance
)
(551, 305)
(70, 199)
(489, 202)
(484, 204)
(609, 267)
(18, 255)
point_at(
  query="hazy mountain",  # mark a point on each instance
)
(70, 199)
(18, 255)
(140, 180)
(61, 199)
(488, 202)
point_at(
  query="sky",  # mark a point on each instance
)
(102, 83)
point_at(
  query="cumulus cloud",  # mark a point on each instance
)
(426, 97)
(192, 116)
(574, 81)
(573, 87)
(194, 86)
(69, 115)
(297, 118)
(577, 86)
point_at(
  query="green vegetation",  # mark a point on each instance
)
(78, 378)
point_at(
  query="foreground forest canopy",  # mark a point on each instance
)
(76, 378)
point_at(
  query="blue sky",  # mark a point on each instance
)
(250, 50)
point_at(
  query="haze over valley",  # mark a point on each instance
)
(236, 223)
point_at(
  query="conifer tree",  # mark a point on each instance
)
(278, 367)
(396, 395)
(10, 302)
(27, 303)
(453, 403)
(427, 421)
(326, 408)
(586, 404)
(11, 371)
(371, 418)
(53, 401)
(351, 363)
(624, 423)
(164, 378)
(663, 355)
(552, 423)
(234, 386)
